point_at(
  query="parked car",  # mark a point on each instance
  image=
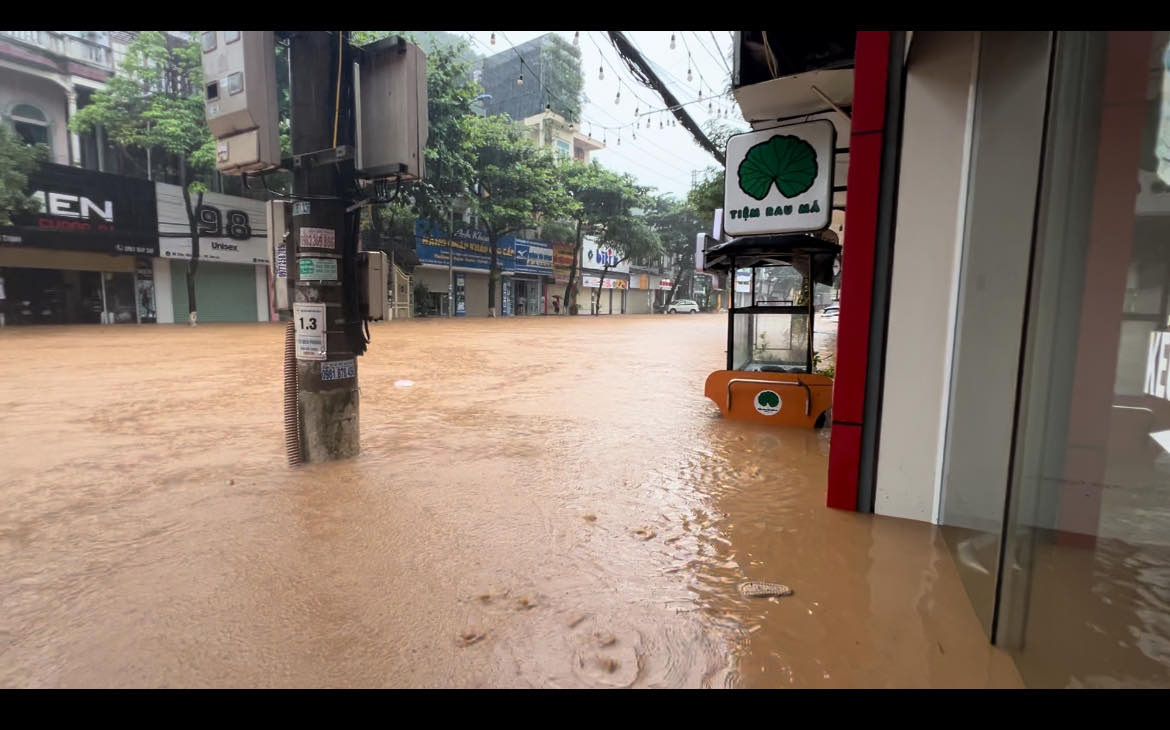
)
(830, 313)
(682, 305)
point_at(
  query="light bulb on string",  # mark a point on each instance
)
(576, 38)
(601, 73)
(635, 133)
(619, 140)
(493, 38)
(520, 80)
(689, 76)
(672, 43)
(710, 108)
(618, 99)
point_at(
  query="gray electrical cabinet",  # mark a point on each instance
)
(391, 98)
(239, 96)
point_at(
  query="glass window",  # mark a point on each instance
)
(231, 36)
(1085, 599)
(30, 123)
(208, 41)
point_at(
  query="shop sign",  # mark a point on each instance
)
(592, 282)
(743, 281)
(461, 295)
(309, 319)
(665, 284)
(780, 180)
(232, 229)
(532, 257)
(507, 303)
(83, 210)
(317, 269)
(467, 247)
(596, 256)
(638, 281)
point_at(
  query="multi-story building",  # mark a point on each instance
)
(108, 245)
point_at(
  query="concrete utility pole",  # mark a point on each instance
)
(322, 119)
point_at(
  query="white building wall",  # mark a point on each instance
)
(18, 87)
(928, 234)
(163, 302)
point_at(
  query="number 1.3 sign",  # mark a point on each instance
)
(310, 330)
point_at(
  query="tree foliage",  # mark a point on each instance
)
(17, 161)
(521, 181)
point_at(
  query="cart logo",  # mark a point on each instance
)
(767, 402)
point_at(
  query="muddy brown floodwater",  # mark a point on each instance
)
(553, 503)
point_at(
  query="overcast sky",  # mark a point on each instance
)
(663, 158)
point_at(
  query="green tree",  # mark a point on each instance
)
(155, 102)
(628, 231)
(521, 182)
(596, 203)
(17, 161)
(677, 224)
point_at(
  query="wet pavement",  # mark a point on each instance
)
(552, 503)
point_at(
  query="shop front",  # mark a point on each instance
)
(533, 267)
(639, 297)
(555, 290)
(605, 278)
(86, 256)
(460, 261)
(231, 277)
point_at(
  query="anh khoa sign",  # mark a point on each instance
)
(780, 180)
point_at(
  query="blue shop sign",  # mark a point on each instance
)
(533, 257)
(468, 247)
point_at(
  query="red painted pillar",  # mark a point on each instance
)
(866, 138)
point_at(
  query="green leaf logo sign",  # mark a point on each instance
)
(788, 161)
(767, 402)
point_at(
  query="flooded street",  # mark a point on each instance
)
(552, 503)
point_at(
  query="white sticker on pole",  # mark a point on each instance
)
(337, 370)
(317, 238)
(310, 330)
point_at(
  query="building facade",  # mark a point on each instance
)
(1005, 315)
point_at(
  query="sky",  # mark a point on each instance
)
(662, 158)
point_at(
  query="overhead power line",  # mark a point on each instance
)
(647, 77)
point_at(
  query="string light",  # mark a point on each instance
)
(601, 73)
(576, 38)
(493, 38)
(618, 99)
(672, 43)
(689, 76)
(520, 80)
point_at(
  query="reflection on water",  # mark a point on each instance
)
(552, 503)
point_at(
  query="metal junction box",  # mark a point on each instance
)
(373, 273)
(391, 98)
(239, 96)
(279, 243)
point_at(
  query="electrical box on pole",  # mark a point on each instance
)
(392, 124)
(279, 224)
(239, 96)
(374, 270)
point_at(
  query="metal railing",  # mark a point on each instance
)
(92, 52)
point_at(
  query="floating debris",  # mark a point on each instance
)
(484, 597)
(759, 589)
(403, 383)
(524, 604)
(591, 517)
(608, 664)
(469, 637)
(644, 533)
(606, 640)
(575, 621)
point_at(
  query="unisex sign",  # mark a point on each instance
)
(780, 180)
(83, 210)
(232, 229)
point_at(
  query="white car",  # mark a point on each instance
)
(682, 305)
(830, 312)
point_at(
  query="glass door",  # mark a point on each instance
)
(1085, 595)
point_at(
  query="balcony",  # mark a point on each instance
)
(92, 52)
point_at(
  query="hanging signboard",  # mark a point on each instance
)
(317, 269)
(780, 180)
(310, 330)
